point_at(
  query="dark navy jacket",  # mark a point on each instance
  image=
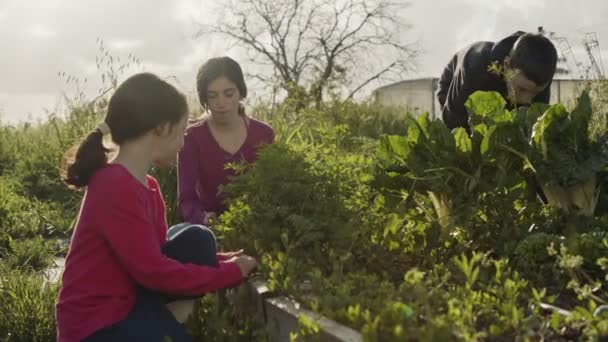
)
(468, 72)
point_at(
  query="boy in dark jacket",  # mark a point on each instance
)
(529, 59)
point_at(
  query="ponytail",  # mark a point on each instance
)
(90, 155)
(140, 104)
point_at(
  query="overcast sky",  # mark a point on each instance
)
(41, 38)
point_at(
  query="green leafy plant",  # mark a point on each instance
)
(566, 159)
(431, 159)
(27, 307)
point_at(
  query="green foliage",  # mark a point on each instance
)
(167, 179)
(365, 120)
(431, 159)
(452, 302)
(275, 206)
(28, 255)
(27, 307)
(36, 153)
(227, 316)
(532, 259)
(566, 158)
(561, 145)
(23, 217)
(344, 213)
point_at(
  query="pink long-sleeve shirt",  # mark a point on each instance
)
(202, 167)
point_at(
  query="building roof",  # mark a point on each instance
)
(407, 81)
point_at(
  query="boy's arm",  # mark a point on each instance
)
(453, 93)
(446, 79)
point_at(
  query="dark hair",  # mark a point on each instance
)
(535, 56)
(140, 104)
(217, 67)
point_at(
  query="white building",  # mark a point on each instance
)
(419, 95)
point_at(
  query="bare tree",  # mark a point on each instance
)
(317, 47)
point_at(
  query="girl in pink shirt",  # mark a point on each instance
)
(227, 135)
(121, 270)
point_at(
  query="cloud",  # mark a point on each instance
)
(41, 31)
(125, 44)
(27, 106)
(42, 38)
(444, 27)
(145, 28)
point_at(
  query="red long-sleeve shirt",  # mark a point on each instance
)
(116, 246)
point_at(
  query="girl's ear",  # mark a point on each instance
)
(162, 129)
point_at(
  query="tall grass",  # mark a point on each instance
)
(26, 307)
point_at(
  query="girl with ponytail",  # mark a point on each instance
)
(123, 275)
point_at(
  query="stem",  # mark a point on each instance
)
(443, 207)
(581, 197)
(584, 196)
(557, 197)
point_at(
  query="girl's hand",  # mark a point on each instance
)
(210, 217)
(246, 263)
(229, 255)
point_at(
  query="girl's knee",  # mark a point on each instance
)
(193, 244)
(197, 234)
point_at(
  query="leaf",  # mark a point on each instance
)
(548, 127)
(532, 114)
(441, 137)
(597, 161)
(392, 150)
(579, 122)
(487, 144)
(424, 122)
(404, 310)
(581, 115)
(12, 294)
(482, 105)
(393, 224)
(463, 141)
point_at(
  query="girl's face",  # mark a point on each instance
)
(223, 98)
(170, 141)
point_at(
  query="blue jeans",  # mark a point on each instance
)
(150, 320)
